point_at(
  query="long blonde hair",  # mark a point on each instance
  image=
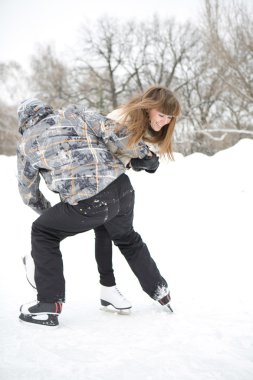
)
(135, 116)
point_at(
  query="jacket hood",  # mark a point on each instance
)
(30, 112)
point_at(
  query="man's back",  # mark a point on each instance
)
(73, 160)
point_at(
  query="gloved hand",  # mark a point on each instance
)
(149, 164)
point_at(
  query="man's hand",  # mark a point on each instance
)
(149, 164)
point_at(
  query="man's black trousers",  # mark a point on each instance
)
(113, 208)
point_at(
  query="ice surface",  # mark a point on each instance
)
(195, 214)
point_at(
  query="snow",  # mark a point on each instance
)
(195, 214)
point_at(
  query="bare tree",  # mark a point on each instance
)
(170, 47)
(120, 60)
(105, 50)
(217, 102)
(50, 77)
(209, 67)
(229, 35)
(8, 129)
(13, 81)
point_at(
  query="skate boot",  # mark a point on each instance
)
(165, 301)
(42, 313)
(111, 296)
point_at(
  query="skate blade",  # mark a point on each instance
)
(49, 320)
(113, 310)
(168, 307)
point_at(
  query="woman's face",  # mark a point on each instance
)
(158, 119)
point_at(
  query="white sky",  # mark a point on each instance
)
(27, 22)
(24, 23)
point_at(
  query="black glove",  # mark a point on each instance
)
(149, 164)
(151, 171)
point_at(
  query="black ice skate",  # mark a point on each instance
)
(165, 301)
(41, 313)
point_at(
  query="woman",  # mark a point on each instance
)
(150, 117)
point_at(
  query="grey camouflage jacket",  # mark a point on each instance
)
(69, 149)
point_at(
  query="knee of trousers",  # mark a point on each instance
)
(37, 228)
(40, 235)
(132, 239)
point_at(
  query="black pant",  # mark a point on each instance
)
(103, 254)
(113, 208)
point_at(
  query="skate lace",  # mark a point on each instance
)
(120, 293)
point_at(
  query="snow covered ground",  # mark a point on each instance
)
(195, 214)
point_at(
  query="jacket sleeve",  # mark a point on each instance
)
(116, 116)
(28, 185)
(112, 132)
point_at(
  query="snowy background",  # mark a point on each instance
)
(195, 214)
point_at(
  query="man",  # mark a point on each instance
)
(69, 148)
